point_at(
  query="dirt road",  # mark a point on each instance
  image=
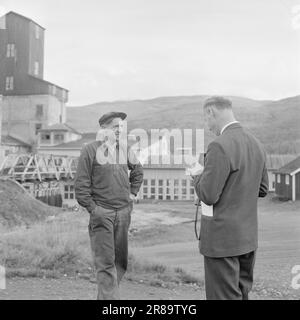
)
(80, 289)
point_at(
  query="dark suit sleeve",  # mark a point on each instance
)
(264, 185)
(83, 180)
(209, 185)
(136, 172)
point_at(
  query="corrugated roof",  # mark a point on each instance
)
(290, 167)
(9, 140)
(60, 127)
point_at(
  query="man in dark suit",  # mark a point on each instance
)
(233, 178)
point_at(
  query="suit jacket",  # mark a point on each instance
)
(233, 178)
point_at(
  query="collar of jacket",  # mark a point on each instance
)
(232, 125)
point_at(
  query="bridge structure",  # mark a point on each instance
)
(30, 167)
(47, 177)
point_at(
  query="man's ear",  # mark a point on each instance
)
(212, 111)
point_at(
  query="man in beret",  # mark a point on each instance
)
(103, 187)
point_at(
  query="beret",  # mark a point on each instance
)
(110, 115)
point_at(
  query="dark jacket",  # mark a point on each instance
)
(106, 185)
(233, 178)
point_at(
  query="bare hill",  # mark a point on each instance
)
(275, 123)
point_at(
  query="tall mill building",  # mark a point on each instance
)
(29, 102)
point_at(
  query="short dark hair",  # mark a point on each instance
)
(219, 102)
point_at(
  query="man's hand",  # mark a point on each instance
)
(132, 196)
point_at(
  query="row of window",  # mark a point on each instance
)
(155, 189)
(287, 179)
(46, 137)
(168, 189)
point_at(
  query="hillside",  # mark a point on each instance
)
(275, 123)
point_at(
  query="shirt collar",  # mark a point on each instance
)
(227, 125)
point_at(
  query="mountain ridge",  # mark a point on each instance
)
(259, 116)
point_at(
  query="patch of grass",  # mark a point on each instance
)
(159, 275)
(61, 247)
(188, 278)
(46, 248)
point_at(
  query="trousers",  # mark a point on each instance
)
(229, 278)
(108, 231)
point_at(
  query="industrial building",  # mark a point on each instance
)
(29, 101)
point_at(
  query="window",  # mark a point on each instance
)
(145, 182)
(45, 137)
(168, 189)
(38, 126)
(9, 83)
(53, 90)
(37, 32)
(278, 178)
(176, 189)
(39, 111)
(10, 52)
(36, 68)
(287, 179)
(58, 137)
(69, 192)
(184, 189)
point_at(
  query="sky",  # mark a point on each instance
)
(107, 50)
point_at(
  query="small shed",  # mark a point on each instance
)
(274, 162)
(287, 180)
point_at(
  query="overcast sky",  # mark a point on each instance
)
(104, 50)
